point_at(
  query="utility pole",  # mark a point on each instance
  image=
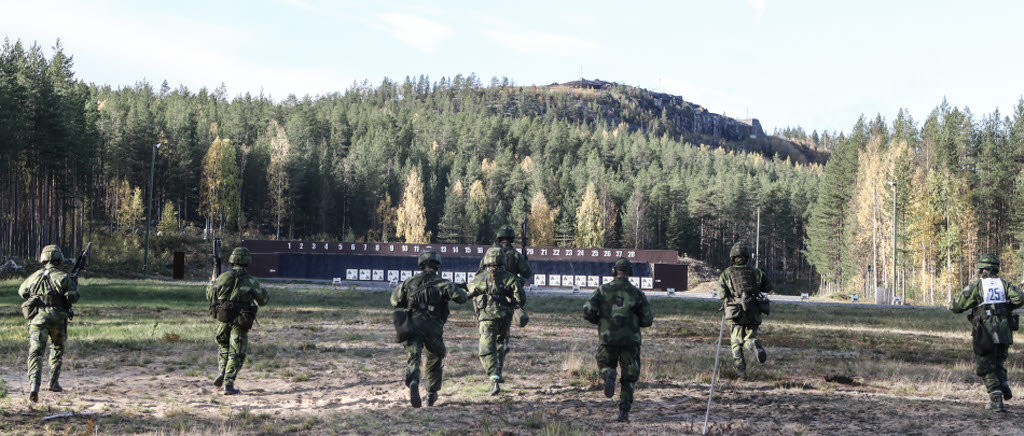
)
(757, 239)
(149, 210)
(894, 191)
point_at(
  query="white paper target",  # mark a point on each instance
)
(540, 280)
(556, 280)
(351, 274)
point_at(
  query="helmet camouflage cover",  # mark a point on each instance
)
(622, 264)
(240, 256)
(989, 261)
(506, 232)
(493, 257)
(740, 249)
(51, 254)
(429, 255)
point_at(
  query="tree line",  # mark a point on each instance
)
(958, 191)
(445, 161)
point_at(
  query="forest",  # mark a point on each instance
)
(452, 159)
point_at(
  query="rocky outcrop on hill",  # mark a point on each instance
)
(687, 116)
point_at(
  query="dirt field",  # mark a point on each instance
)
(141, 358)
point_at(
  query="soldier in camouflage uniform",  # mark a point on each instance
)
(741, 287)
(496, 294)
(515, 262)
(426, 296)
(53, 292)
(236, 287)
(991, 301)
(619, 309)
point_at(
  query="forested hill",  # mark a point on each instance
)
(416, 160)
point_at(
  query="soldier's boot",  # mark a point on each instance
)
(414, 394)
(219, 381)
(762, 355)
(995, 401)
(1005, 387)
(54, 381)
(34, 395)
(623, 415)
(609, 384)
(495, 388)
(229, 389)
(431, 398)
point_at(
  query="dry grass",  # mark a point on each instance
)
(141, 355)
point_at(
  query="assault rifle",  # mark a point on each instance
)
(80, 262)
(79, 266)
(216, 257)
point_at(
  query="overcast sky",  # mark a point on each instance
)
(817, 64)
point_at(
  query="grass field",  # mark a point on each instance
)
(141, 357)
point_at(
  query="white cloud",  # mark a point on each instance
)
(120, 48)
(758, 6)
(416, 32)
(538, 42)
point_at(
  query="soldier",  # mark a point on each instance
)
(426, 297)
(515, 262)
(619, 309)
(235, 297)
(991, 301)
(496, 294)
(742, 289)
(51, 292)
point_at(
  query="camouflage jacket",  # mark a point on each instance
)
(237, 285)
(496, 297)
(57, 292)
(732, 296)
(991, 301)
(426, 295)
(515, 263)
(619, 309)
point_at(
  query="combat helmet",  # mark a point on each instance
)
(740, 249)
(989, 261)
(623, 264)
(51, 254)
(493, 257)
(429, 255)
(506, 232)
(240, 256)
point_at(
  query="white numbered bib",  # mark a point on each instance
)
(992, 290)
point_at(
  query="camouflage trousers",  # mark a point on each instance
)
(37, 336)
(436, 351)
(742, 337)
(991, 367)
(628, 359)
(234, 343)
(494, 345)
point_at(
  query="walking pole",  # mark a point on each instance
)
(714, 375)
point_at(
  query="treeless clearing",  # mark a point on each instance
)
(141, 354)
